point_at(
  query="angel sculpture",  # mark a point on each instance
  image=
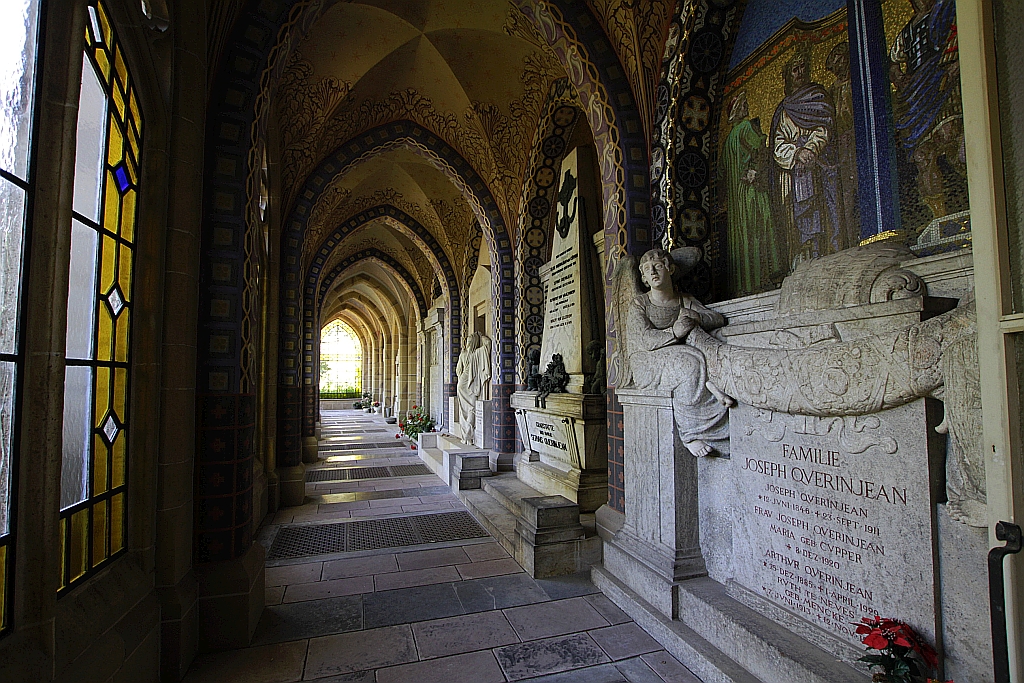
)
(653, 329)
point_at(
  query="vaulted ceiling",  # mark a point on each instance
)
(475, 73)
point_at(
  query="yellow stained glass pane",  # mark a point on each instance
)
(133, 147)
(115, 147)
(111, 205)
(122, 70)
(100, 465)
(108, 34)
(63, 551)
(104, 63)
(108, 264)
(79, 543)
(121, 347)
(102, 393)
(133, 103)
(3, 587)
(117, 461)
(128, 220)
(116, 523)
(124, 272)
(120, 392)
(99, 532)
(104, 334)
(118, 98)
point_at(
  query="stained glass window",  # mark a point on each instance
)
(94, 471)
(18, 39)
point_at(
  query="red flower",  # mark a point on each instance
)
(414, 407)
(412, 446)
(398, 436)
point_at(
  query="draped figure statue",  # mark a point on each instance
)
(473, 371)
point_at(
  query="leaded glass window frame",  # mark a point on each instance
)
(19, 122)
(93, 521)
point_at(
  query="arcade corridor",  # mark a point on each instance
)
(447, 612)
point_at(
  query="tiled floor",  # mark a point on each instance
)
(459, 612)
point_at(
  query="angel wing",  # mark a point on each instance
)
(625, 289)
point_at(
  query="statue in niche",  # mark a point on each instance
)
(657, 324)
(554, 380)
(533, 370)
(598, 383)
(473, 371)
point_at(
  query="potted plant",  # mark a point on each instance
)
(376, 406)
(416, 422)
(901, 654)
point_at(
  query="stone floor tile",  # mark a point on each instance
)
(359, 566)
(623, 641)
(608, 609)
(481, 552)
(339, 507)
(669, 668)
(272, 595)
(540, 657)
(285, 575)
(499, 592)
(478, 570)
(571, 586)
(602, 673)
(476, 667)
(359, 651)
(281, 663)
(295, 621)
(555, 618)
(377, 512)
(439, 557)
(321, 516)
(468, 633)
(427, 508)
(416, 577)
(406, 605)
(394, 502)
(329, 589)
(636, 671)
(282, 517)
(354, 677)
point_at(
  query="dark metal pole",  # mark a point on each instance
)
(1011, 533)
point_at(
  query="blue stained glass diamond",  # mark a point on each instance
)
(121, 176)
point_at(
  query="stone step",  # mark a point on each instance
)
(434, 459)
(509, 491)
(722, 640)
(698, 655)
(494, 517)
(756, 642)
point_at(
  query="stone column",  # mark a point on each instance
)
(658, 547)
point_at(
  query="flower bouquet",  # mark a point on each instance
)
(901, 654)
(416, 422)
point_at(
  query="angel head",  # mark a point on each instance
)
(658, 267)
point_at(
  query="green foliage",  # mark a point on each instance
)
(416, 422)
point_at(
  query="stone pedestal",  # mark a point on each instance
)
(310, 449)
(550, 527)
(467, 469)
(658, 546)
(231, 598)
(565, 446)
(483, 430)
(291, 485)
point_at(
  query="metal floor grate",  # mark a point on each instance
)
(373, 534)
(353, 473)
(358, 446)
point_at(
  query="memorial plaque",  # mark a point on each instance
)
(567, 307)
(548, 436)
(483, 428)
(834, 516)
